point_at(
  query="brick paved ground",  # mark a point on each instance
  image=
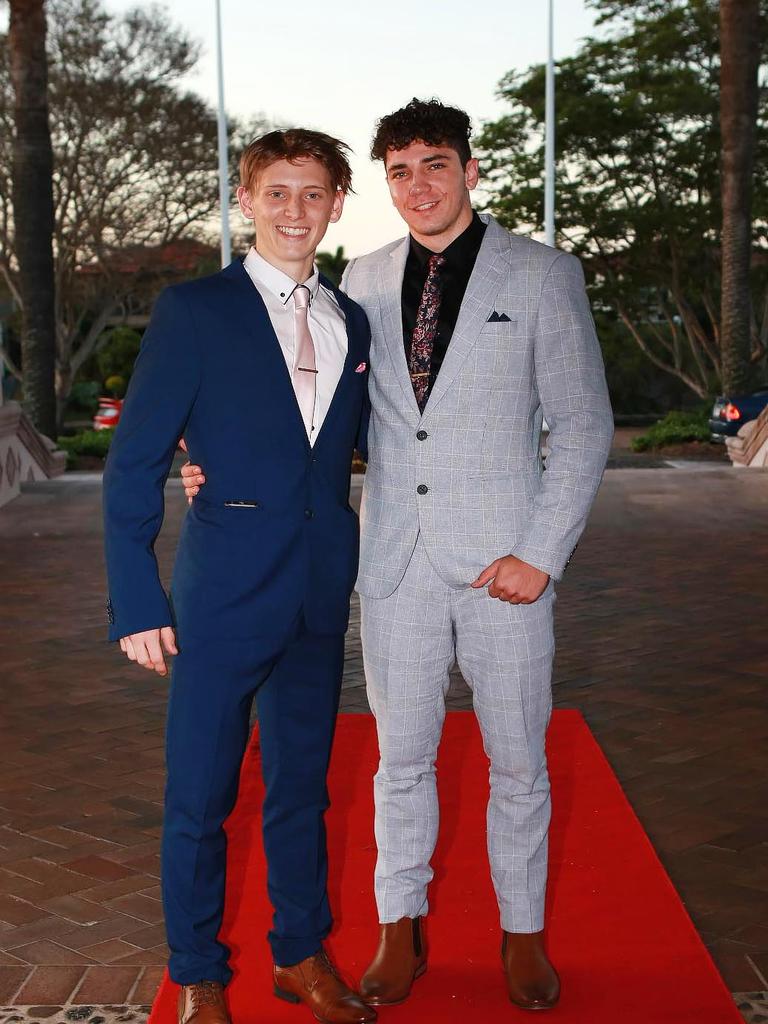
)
(662, 644)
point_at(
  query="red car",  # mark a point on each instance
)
(108, 413)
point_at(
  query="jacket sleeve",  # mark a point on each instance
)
(361, 439)
(361, 442)
(570, 380)
(160, 396)
(344, 286)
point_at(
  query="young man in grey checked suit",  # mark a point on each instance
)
(476, 335)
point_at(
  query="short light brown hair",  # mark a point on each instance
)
(292, 144)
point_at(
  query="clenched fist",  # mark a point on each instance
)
(511, 579)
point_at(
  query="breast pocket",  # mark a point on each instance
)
(504, 355)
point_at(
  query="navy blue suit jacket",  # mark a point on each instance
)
(211, 370)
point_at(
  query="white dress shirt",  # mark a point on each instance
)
(327, 326)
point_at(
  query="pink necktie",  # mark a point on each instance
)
(305, 369)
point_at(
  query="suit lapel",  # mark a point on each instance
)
(490, 270)
(355, 354)
(250, 309)
(391, 310)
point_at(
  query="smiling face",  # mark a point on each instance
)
(430, 190)
(291, 205)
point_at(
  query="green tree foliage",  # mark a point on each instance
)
(638, 178)
(134, 167)
(635, 384)
(332, 265)
(119, 353)
(84, 396)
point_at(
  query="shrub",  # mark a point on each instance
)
(87, 442)
(676, 428)
(116, 385)
(84, 396)
(117, 357)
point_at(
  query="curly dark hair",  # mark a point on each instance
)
(429, 121)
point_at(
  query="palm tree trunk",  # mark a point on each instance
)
(33, 208)
(739, 59)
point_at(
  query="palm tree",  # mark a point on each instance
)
(739, 59)
(33, 208)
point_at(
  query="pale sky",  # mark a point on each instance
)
(339, 66)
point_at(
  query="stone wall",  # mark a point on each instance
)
(24, 454)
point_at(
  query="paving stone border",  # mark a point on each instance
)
(74, 1014)
(753, 1006)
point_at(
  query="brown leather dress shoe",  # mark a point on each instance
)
(532, 981)
(315, 982)
(399, 960)
(202, 1003)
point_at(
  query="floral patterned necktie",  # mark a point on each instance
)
(425, 331)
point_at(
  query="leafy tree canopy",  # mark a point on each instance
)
(332, 264)
(134, 165)
(638, 146)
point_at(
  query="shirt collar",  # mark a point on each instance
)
(461, 250)
(275, 280)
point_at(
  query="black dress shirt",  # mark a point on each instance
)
(460, 258)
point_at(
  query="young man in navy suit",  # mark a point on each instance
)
(262, 369)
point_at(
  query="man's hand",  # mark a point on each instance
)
(513, 580)
(191, 476)
(147, 648)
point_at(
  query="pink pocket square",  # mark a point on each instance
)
(362, 368)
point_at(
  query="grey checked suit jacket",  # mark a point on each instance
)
(486, 495)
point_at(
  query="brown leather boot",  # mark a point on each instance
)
(532, 981)
(399, 960)
(202, 1003)
(315, 982)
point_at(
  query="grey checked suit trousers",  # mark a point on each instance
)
(446, 493)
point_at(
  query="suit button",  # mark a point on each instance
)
(308, 513)
(422, 435)
(422, 489)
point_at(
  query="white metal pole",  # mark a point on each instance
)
(226, 245)
(549, 138)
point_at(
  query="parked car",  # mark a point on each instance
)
(730, 414)
(108, 413)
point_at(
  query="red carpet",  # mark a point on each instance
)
(625, 947)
